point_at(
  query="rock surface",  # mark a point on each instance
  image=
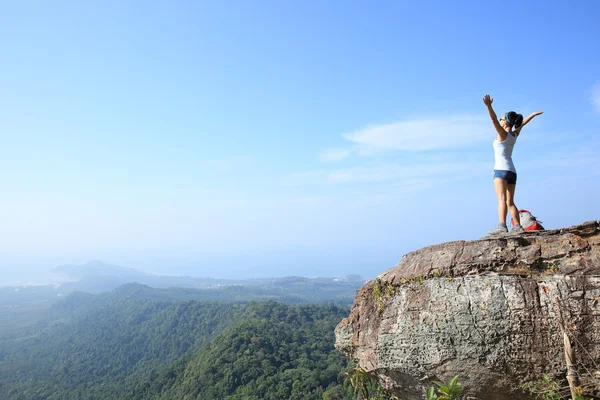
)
(490, 310)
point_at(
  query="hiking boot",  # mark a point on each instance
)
(499, 230)
(517, 229)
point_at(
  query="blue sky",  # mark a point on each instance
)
(270, 138)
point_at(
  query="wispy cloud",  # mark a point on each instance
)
(333, 155)
(578, 159)
(380, 172)
(596, 96)
(423, 134)
(428, 147)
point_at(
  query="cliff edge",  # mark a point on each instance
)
(492, 311)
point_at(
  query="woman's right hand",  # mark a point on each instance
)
(487, 100)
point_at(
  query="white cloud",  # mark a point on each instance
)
(333, 155)
(596, 96)
(449, 132)
(432, 135)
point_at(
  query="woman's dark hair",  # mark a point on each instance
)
(514, 119)
(519, 121)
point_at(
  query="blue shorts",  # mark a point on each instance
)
(509, 176)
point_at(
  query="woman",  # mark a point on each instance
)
(505, 173)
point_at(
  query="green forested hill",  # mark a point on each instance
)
(276, 352)
(126, 346)
(39, 306)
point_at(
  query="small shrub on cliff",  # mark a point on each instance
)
(547, 388)
(445, 391)
(365, 385)
(381, 290)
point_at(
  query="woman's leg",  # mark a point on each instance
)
(510, 203)
(500, 186)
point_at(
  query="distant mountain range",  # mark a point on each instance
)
(97, 277)
(94, 269)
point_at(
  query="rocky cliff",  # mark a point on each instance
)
(493, 311)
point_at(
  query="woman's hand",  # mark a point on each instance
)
(526, 120)
(487, 100)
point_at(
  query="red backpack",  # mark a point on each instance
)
(528, 221)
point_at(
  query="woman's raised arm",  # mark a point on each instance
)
(487, 100)
(526, 120)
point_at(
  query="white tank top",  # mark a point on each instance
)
(503, 153)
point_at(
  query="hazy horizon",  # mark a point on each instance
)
(264, 266)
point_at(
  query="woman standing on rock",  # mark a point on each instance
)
(505, 173)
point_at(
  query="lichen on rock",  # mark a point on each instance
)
(486, 310)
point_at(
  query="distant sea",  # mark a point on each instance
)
(28, 277)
